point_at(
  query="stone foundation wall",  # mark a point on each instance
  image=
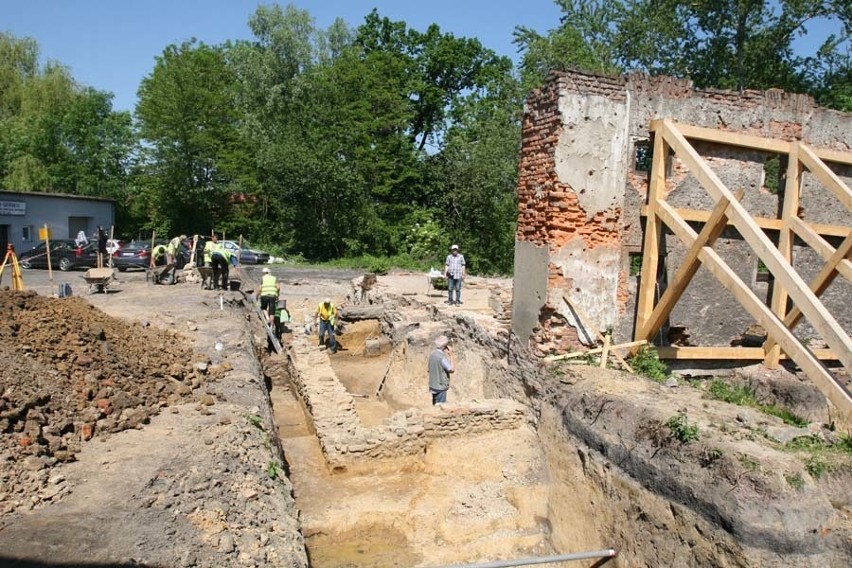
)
(580, 193)
(345, 440)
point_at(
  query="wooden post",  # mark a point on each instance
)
(111, 235)
(47, 251)
(653, 229)
(792, 190)
(239, 250)
(820, 245)
(605, 352)
(151, 256)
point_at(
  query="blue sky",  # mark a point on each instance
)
(111, 44)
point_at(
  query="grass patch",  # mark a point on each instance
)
(744, 396)
(647, 363)
(795, 481)
(821, 458)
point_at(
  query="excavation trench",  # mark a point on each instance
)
(522, 461)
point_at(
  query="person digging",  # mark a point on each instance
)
(441, 366)
(325, 316)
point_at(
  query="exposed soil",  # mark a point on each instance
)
(70, 373)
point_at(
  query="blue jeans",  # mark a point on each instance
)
(326, 327)
(454, 284)
(438, 396)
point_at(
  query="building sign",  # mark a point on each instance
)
(13, 208)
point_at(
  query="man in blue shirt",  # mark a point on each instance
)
(440, 366)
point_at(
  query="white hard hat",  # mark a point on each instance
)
(265, 270)
(441, 341)
(454, 247)
(327, 301)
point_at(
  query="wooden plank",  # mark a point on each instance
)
(758, 143)
(836, 156)
(651, 246)
(792, 190)
(818, 316)
(825, 176)
(605, 352)
(688, 267)
(765, 223)
(734, 139)
(804, 358)
(586, 322)
(728, 353)
(820, 245)
(576, 354)
(819, 284)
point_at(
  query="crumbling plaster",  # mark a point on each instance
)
(589, 223)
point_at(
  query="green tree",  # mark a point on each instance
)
(189, 127)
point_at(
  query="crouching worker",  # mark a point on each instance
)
(268, 293)
(221, 259)
(326, 315)
(440, 367)
(158, 253)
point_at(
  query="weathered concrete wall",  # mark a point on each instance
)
(580, 197)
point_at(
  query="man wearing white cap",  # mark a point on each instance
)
(440, 367)
(269, 289)
(454, 273)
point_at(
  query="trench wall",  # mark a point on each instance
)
(581, 187)
(346, 442)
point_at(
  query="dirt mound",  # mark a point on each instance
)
(69, 372)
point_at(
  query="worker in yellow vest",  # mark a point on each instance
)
(268, 293)
(221, 259)
(325, 317)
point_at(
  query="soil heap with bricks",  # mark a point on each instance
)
(69, 372)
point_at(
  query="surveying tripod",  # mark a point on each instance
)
(17, 279)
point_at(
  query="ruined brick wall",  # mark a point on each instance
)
(580, 196)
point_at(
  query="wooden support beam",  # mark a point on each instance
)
(820, 245)
(765, 223)
(653, 228)
(728, 353)
(757, 142)
(825, 176)
(819, 284)
(804, 358)
(688, 267)
(594, 351)
(586, 322)
(734, 138)
(818, 316)
(792, 190)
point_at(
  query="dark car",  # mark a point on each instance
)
(133, 255)
(64, 254)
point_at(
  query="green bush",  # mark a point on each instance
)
(680, 429)
(647, 363)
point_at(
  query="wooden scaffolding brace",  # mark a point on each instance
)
(775, 319)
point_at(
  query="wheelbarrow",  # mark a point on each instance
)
(162, 274)
(206, 274)
(98, 279)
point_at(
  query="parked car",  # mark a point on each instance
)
(64, 255)
(247, 255)
(136, 254)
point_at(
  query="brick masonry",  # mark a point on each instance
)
(579, 196)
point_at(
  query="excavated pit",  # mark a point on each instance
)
(527, 462)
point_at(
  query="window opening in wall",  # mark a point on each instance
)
(772, 174)
(762, 273)
(642, 156)
(635, 263)
(27, 233)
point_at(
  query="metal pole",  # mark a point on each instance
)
(604, 554)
